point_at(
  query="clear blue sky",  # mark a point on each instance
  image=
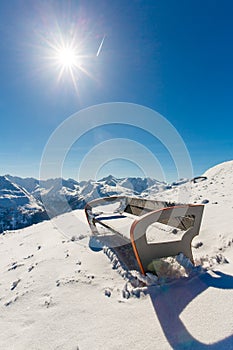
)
(174, 56)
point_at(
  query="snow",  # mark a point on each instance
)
(13, 196)
(58, 293)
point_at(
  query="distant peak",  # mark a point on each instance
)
(108, 178)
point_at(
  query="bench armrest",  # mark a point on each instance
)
(90, 214)
(172, 216)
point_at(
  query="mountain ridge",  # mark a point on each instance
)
(24, 201)
(35, 200)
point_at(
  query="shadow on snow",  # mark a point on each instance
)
(170, 300)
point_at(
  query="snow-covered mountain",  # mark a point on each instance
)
(58, 293)
(92, 189)
(59, 195)
(18, 208)
(29, 195)
(12, 195)
(110, 186)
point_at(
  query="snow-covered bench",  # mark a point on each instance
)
(155, 229)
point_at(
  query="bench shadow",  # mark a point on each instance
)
(170, 300)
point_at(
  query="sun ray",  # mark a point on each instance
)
(60, 74)
(85, 71)
(74, 81)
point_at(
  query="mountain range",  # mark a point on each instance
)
(26, 201)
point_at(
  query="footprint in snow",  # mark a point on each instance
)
(14, 266)
(107, 293)
(14, 284)
(30, 268)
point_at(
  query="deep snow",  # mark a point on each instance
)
(58, 293)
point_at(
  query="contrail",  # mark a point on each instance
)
(100, 47)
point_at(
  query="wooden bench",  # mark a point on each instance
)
(155, 229)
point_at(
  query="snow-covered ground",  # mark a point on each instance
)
(58, 293)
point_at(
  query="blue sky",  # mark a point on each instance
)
(172, 56)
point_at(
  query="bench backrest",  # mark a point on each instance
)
(140, 206)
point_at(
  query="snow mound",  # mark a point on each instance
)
(223, 170)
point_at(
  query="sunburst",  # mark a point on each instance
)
(69, 54)
(68, 58)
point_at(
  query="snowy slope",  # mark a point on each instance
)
(30, 184)
(13, 196)
(18, 208)
(57, 293)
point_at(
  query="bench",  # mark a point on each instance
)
(155, 229)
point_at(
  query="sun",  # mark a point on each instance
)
(69, 61)
(67, 57)
(71, 56)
